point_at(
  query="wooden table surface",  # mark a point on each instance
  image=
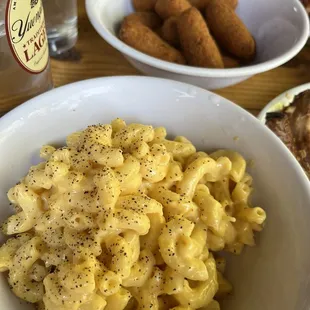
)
(99, 59)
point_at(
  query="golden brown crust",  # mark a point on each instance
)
(202, 4)
(230, 62)
(229, 31)
(233, 3)
(146, 41)
(144, 5)
(197, 43)
(168, 8)
(169, 31)
(148, 19)
(199, 4)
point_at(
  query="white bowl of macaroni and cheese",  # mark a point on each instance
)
(143, 193)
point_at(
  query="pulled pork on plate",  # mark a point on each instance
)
(292, 126)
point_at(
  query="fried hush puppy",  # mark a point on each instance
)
(199, 47)
(144, 5)
(169, 31)
(202, 4)
(146, 41)
(230, 62)
(168, 8)
(160, 27)
(148, 19)
(229, 31)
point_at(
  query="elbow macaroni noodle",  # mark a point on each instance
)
(123, 218)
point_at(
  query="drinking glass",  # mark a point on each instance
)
(61, 23)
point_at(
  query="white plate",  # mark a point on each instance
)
(283, 100)
(275, 274)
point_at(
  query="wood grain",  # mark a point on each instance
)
(99, 59)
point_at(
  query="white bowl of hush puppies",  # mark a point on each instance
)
(208, 43)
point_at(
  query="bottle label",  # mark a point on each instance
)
(26, 33)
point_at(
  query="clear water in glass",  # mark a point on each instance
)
(61, 23)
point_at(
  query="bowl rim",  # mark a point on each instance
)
(35, 103)
(114, 41)
(287, 96)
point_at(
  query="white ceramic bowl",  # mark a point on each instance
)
(283, 100)
(275, 274)
(280, 27)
